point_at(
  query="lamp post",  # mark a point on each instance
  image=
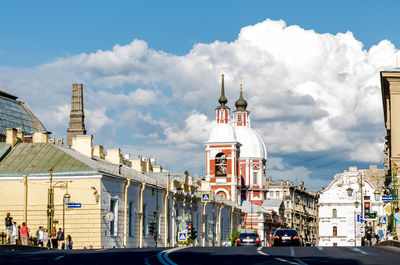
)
(377, 195)
(66, 200)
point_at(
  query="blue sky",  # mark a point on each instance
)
(151, 70)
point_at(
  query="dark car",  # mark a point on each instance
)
(286, 237)
(248, 239)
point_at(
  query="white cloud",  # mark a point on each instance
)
(306, 91)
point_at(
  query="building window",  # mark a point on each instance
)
(334, 231)
(114, 222)
(277, 194)
(239, 118)
(131, 221)
(255, 178)
(144, 220)
(221, 115)
(220, 165)
(334, 213)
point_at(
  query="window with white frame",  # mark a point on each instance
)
(114, 222)
(255, 177)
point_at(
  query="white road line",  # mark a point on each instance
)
(360, 251)
(320, 248)
(300, 262)
(260, 252)
(285, 260)
(59, 257)
(163, 256)
(292, 251)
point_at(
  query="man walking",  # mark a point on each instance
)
(60, 238)
(9, 227)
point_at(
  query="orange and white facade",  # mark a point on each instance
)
(235, 155)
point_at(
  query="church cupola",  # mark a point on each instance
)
(241, 115)
(222, 110)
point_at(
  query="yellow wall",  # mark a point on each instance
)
(84, 225)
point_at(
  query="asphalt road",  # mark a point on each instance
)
(192, 256)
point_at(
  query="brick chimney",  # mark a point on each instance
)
(77, 116)
(83, 144)
(40, 138)
(11, 136)
(114, 156)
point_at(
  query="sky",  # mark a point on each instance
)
(151, 75)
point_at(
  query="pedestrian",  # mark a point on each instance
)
(60, 239)
(381, 232)
(68, 242)
(373, 240)
(389, 236)
(368, 237)
(53, 238)
(24, 230)
(397, 218)
(40, 235)
(9, 227)
(46, 238)
(14, 235)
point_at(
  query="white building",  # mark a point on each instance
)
(341, 202)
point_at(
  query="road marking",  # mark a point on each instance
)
(285, 260)
(102, 249)
(260, 252)
(59, 257)
(163, 256)
(360, 251)
(300, 262)
(292, 252)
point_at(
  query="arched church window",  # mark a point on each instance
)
(220, 165)
(334, 213)
(334, 232)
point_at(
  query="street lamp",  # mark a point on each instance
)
(349, 191)
(357, 204)
(377, 195)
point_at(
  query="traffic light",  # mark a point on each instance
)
(192, 233)
(367, 209)
(151, 228)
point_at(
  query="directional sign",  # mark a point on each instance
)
(205, 197)
(382, 220)
(182, 236)
(387, 198)
(359, 218)
(74, 205)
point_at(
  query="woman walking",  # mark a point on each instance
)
(24, 231)
(69, 242)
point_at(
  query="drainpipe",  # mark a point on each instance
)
(141, 215)
(166, 215)
(232, 209)
(219, 224)
(128, 182)
(204, 224)
(25, 199)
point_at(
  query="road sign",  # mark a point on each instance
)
(382, 220)
(359, 218)
(388, 209)
(205, 197)
(74, 205)
(183, 218)
(387, 198)
(182, 236)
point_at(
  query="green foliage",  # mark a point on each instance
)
(232, 237)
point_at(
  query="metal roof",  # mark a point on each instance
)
(16, 114)
(27, 158)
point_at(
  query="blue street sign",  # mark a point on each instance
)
(74, 205)
(182, 236)
(205, 197)
(359, 218)
(382, 220)
(186, 225)
(387, 198)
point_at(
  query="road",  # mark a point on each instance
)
(192, 256)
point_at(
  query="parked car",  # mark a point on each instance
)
(286, 237)
(248, 239)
